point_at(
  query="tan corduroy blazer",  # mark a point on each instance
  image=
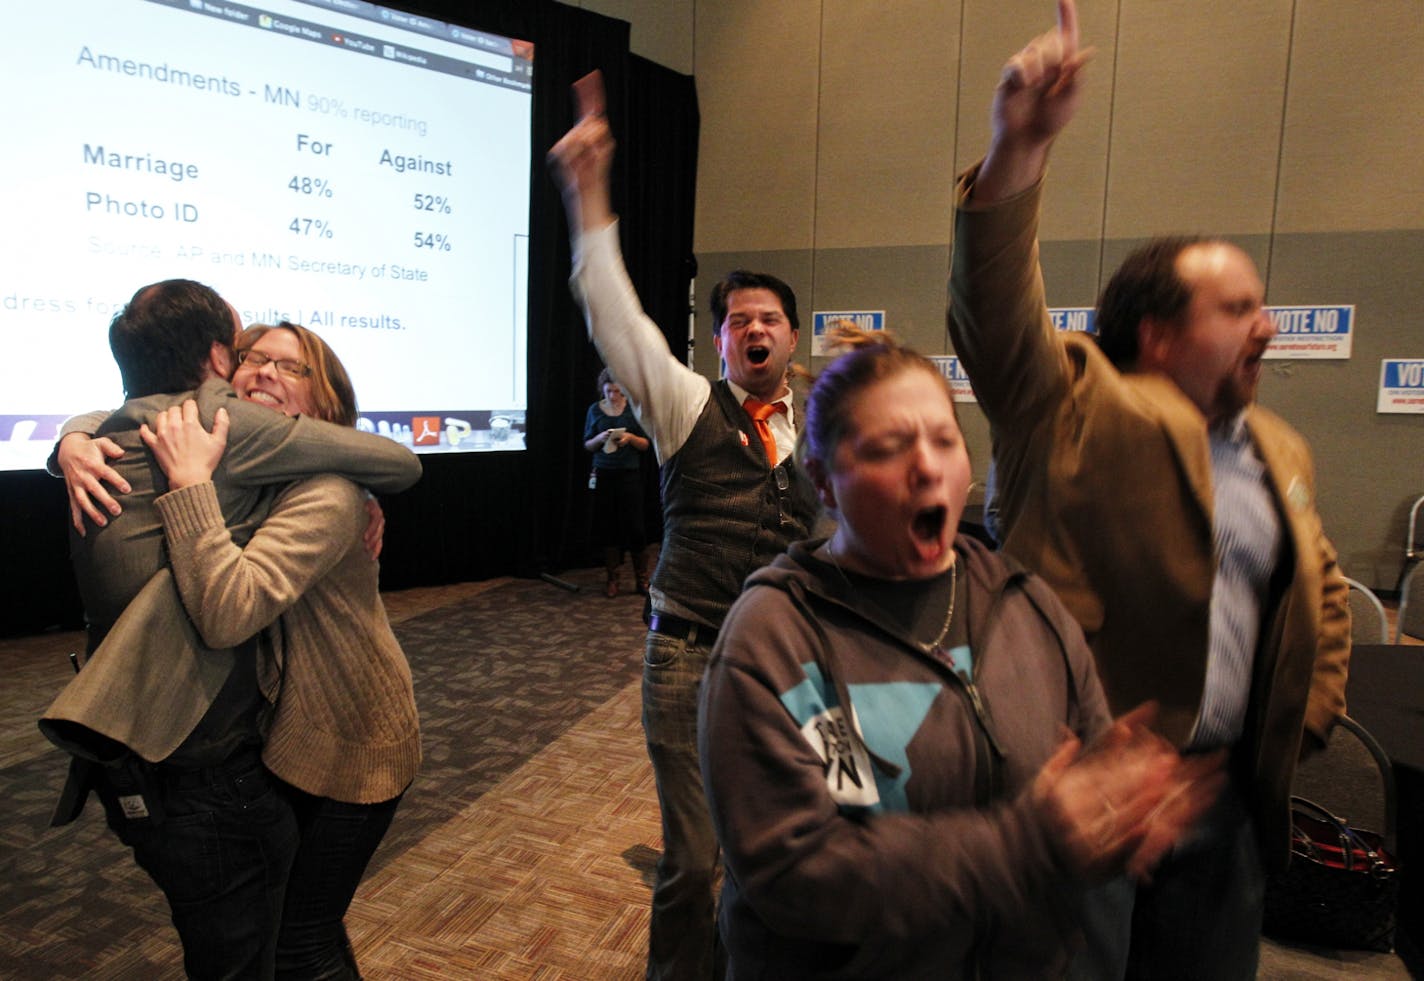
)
(149, 678)
(1105, 490)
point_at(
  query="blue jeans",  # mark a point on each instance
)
(221, 854)
(337, 842)
(682, 934)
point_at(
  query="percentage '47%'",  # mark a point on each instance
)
(429, 240)
(310, 227)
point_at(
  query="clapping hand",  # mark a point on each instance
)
(1121, 804)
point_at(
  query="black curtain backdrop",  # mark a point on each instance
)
(489, 514)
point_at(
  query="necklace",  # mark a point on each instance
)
(948, 614)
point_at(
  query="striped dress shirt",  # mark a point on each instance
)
(1246, 536)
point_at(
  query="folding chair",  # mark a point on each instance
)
(1411, 605)
(1368, 624)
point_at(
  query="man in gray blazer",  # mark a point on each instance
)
(163, 728)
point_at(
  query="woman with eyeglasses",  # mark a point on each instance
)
(343, 733)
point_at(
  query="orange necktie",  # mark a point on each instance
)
(760, 412)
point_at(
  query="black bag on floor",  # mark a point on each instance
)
(1342, 886)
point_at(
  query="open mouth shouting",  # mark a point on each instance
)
(927, 528)
(758, 354)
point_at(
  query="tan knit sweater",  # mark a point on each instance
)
(345, 724)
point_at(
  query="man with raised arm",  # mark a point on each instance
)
(1174, 516)
(732, 500)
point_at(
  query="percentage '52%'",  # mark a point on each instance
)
(430, 240)
(432, 202)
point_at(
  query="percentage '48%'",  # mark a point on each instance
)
(310, 185)
(311, 227)
(430, 240)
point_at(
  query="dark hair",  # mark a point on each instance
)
(605, 377)
(741, 279)
(1145, 285)
(162, 336)
(332, 396)
(873, 357)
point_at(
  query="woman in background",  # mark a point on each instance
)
(612, 434)
(343, 734)
(893, 724)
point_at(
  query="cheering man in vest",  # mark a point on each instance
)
(732, 500)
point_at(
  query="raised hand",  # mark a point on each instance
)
(1038, 94)
(582, 159)
(85, 464)
(186, 451)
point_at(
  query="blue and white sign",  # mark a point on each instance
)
(823, 323)
(953, 373)
(1322, 333)
(1401, 386)
(1075, 319)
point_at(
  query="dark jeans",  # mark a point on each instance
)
(337, 842)
(1199, 917)
(221, 854)
(682, 934)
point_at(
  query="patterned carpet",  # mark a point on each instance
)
(523, 851)
(499, 676)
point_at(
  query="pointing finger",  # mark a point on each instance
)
(1068, 28)
(588, 91)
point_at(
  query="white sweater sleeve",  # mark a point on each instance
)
(666, 395)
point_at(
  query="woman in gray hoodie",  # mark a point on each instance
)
(909, 759)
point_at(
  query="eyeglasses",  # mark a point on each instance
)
(257, 360)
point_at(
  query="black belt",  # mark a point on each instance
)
(693, 633)
(192, 778)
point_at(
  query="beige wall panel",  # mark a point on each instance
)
(886, 122)
(662, 29)
(1198, 92)
(993, 31)
(1353, 151)
(757, 73)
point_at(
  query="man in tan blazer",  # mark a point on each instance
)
(164, 728)
(1174, 516)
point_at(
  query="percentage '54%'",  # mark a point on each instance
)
(429, 240)
(310, 226)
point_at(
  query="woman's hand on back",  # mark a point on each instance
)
(186, 451)
(84, 461)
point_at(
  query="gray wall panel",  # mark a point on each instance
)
(757, 75)
(1198, 91)
(1353, 141)
(832, 130)
(878, 180)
